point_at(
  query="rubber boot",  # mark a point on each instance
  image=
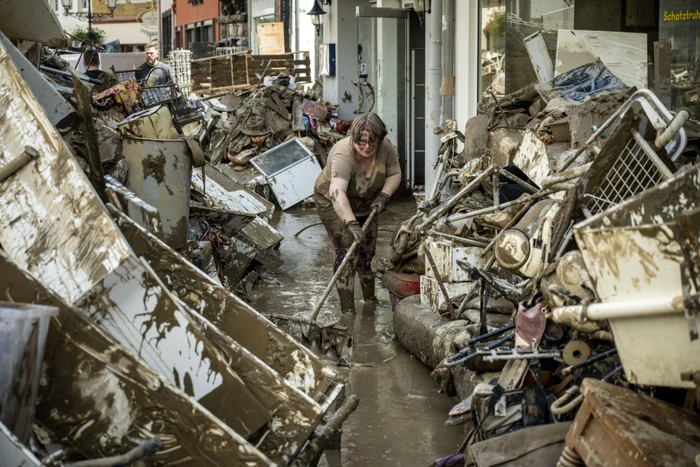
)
(347, 300)
(367, 285)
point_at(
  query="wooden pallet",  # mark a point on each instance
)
(240, 70)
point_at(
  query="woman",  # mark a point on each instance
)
(362, 173)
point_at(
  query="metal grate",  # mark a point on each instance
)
(633, 173)
(180, 63)
(125, 75)
(157, 95)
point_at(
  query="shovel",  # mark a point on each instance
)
(329, 336)
(349, 254)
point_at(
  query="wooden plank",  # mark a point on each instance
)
(87, 368)
(617, 426)
(281, 62)
(268, 57)
(51, 221)
(205, 59)
(271, 38)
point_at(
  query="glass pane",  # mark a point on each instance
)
(493, 45)
(679, 86)
(526, 17)
(281, 157)
(419, 77)
(419, 93)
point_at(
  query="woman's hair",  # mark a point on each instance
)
(371, 123)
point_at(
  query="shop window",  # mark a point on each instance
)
(493, 37)
(505, 23)
(679, 36)
(207, 34)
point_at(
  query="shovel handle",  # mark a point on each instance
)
(349, 254)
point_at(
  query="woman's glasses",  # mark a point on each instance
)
(366, 143)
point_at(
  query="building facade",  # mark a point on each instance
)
(124, 26)
(196, 21)
(420, 77)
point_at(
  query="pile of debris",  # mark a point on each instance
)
(270, 116)
(557, 247)
(124, 256)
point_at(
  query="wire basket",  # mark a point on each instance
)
(125, 75)
(157, 95)
(637, 169)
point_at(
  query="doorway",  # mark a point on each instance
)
(381, 84)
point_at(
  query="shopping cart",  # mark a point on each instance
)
(635, 158)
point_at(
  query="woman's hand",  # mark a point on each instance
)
(356, 230)
(380, 202)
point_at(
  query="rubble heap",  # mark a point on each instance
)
(136, 253)
(542, 264)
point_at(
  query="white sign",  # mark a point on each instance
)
(149, 20)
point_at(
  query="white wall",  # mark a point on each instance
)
(466, 60)
(127, 33)
(340, 28)
(304, 33)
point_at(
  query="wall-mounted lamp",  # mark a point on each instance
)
(90, 16)
(317, 13)
(421, 6)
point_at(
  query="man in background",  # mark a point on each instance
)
(153, 72)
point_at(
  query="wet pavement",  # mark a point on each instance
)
(400, 420)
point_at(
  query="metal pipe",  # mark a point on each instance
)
(562, 177)
(627, 309)
(518, 180)
(433, 78)
(673, 128)
(479, 212)
(349, 254)
(447, 88)
(316, 445)
(146, 448)
(12, 167)
(455, 199)
(465, 241)
(646, 147)
(68, 75)
(596, 358)
(655, 103)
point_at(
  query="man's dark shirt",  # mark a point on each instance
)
(156, 75)
(94, 74)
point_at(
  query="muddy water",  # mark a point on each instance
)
(400, 420)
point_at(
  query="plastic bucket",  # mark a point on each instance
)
(23, 330)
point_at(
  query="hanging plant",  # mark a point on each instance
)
(96, 36)
(497, 24)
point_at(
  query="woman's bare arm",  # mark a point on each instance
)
(391, 184)
(341, 204)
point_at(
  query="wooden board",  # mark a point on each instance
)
(617, 426)
(52, 222)
(271, 38)
(233, 71)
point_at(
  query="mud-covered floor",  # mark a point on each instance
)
(400, 420)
